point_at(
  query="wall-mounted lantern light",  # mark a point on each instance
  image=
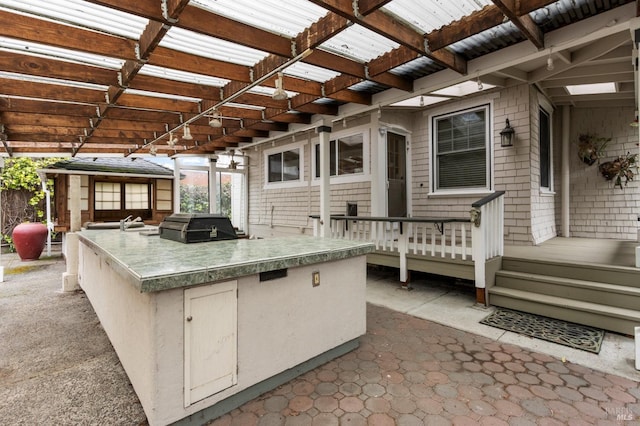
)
(507, 135)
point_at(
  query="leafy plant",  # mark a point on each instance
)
(9, 240)
(621, 169)
(591, 147)
(21, 191)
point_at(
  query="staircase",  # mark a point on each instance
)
(601, 296)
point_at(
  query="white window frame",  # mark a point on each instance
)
(450, 111)
(278, 150)
(363, 176)
(548, 108)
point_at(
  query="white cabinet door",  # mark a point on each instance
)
(210, 340)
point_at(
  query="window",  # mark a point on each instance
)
(163, 194)
(461, 157)
(107, 196)
(284, 166)
(345, 157)
(545, 149)
(136, 196)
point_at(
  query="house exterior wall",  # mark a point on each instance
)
(532, 214)
(277, 210)
(598, 210)
(511, 165)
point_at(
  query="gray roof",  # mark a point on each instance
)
(112, 165)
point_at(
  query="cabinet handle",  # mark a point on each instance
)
(189, 318)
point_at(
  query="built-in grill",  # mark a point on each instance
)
(197, 228)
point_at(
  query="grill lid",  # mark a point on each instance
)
(197, 227)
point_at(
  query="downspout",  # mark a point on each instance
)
(566, 170)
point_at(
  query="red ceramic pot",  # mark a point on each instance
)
(29, 239)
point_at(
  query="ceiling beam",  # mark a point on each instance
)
(477, 22)
(14, 62)
(582, 55)
(51, 92)
(8, 103)
(391, 28)
(35, 30)
(510, 9)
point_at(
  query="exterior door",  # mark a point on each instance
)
(396, 175)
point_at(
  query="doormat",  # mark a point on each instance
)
(557, 331)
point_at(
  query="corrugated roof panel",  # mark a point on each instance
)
(488, 41)
(359, 43)
(417, 68)
(82, 14)
(429, 15)
(310, 72)
(210, 47)
(161, 95)
(284, 17)
(368, 86)
(29, 48)
(565, 12)
(187, 77)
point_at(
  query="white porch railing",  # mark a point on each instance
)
(478, 239)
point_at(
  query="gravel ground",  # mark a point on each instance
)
(57, 366)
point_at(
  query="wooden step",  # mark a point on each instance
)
(609, 274)
(587, 291)
(611, 318)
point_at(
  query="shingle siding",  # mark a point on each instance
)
(598, 210)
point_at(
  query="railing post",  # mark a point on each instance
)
(487, 237)
(479, 245)
(403, 245)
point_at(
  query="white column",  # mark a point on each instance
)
(378, 168)
(176, 185)
(325, 189)
(213, 187)
(566, 170)
(70, 277)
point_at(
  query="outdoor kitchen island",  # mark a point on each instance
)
(202, 328)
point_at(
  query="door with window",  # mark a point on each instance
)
(396, 175)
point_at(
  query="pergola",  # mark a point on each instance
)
(121, 77)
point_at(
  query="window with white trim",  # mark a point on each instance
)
(461, 154)
(346, 156)
(284, 166)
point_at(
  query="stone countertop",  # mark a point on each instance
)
(154, 264)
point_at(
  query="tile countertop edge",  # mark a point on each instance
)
(120, 268)
(168, 282)
(216, 273)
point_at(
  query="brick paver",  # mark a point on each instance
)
(409, 371)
